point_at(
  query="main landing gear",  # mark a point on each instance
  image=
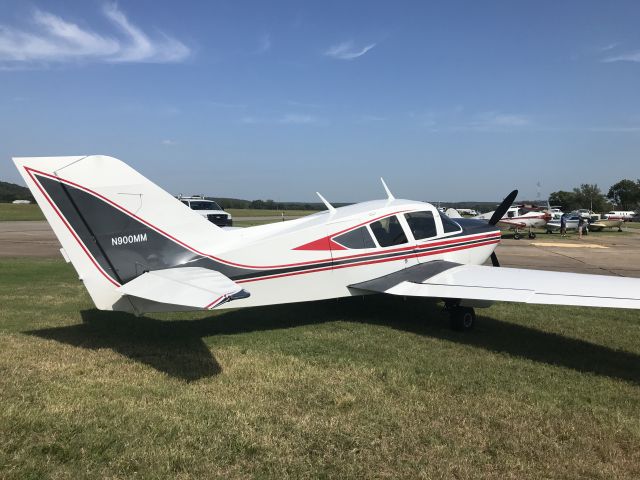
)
(460, 318)
(518, 236)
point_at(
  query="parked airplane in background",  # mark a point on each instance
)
(520, 217)
(138, 249)
(620, 215)
(573, 220)
(600, 225)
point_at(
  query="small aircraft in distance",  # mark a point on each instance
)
(520, 217)
(601, 224)
(138, 249)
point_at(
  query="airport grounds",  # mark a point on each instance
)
(373, 387)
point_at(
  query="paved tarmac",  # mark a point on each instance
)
(599, 253)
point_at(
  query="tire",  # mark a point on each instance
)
(532, 236)
(462, 319)
(516, 236)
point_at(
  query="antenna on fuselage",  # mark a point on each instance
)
(326, 203)
(386, 189)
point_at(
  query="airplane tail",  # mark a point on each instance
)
(115, 225)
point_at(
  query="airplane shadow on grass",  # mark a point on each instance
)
(177, 348)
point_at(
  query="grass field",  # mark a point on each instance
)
(9, 212)
(249, 212)
(356, 388)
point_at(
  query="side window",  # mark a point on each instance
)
(422, 224)
(388, 232)
(185, 202)
(358, 238)
(449, 225)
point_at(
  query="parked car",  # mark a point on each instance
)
(208, 209)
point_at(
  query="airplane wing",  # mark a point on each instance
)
(511, 223)
(441, 279)
(187, 286)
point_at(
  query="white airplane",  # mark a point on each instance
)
(138, 249)
(521, 216)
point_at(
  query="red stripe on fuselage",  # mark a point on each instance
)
(359, 264)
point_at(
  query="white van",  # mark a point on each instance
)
(619, 215)
(208, 209)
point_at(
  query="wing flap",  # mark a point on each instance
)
(186, 286)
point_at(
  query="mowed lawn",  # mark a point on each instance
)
(357, 388)
(11, 212)
(17, 212)
(253, 212)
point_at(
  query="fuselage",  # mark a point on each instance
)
(321, 255)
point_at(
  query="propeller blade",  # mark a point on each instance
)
(494, 260)
(502, 209)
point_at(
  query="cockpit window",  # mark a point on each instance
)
(422, 224)
(388, 231)
(358, 238)
(449, 225)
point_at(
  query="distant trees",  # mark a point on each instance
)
(585, 196)
(625, 194)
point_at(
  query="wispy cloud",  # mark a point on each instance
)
(497, 119)
(624, 57)
(347, 51)
(169, 143)
(370, 118)
(286, 119)
(298, 119)
(52, 39)
(456, 120)
(607, 47)
(265, 44)
(226, 105)
(293, 103)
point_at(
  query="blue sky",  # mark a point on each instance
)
(448, 101)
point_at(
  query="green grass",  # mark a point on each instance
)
(634, 225)
(357, 388)
(9, 212)
(238, 222)
(240, 212)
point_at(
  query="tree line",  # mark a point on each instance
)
(270, 204)
(624, 195)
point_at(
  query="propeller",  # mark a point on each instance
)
(502, 209)
(497, 215)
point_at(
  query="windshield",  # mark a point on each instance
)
(204, 205)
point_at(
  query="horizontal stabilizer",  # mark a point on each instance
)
(480, 282)
(187, 286)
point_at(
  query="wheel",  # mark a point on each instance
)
(462, 318)
(516, 236)
(549, 231)
(532, 235)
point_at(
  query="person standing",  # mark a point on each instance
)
(580, 227)
(563, 225)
